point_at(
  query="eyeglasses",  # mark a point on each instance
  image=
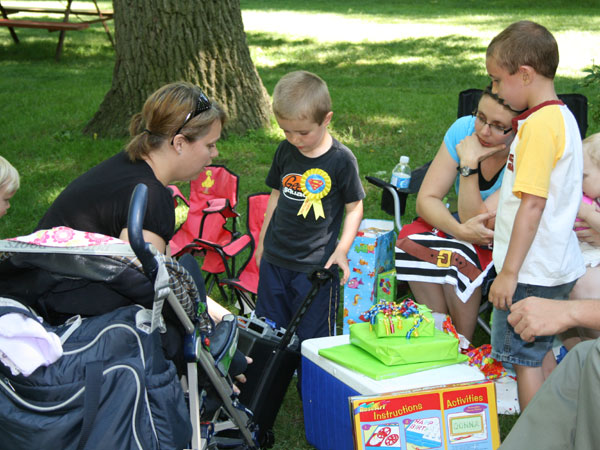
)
(494, 127)
(202, 104)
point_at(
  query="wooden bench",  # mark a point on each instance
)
(50, 26)
(62, 27)
(39, 9)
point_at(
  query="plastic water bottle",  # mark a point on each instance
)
(401, 173)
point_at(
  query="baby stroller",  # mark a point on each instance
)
(108, 384)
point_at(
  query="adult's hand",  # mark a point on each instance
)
(475, 230)
(535, 316)
(471, 152)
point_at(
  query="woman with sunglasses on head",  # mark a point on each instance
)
(173, 139)
(444, 256)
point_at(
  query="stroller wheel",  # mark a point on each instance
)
(267, 439)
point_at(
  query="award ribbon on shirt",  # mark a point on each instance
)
(315, 184)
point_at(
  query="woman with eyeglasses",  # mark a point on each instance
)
(444, 256)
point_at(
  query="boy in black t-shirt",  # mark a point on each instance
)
(314, 179)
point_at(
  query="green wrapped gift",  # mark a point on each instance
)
(357, 359)
(396, 350)
(421, 324)
(407, 318)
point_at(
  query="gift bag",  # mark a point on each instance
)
(371, 253)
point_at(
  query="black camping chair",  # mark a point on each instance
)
(393, 200)
(577, 104)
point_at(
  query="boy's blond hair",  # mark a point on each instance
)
(525, 43)
(9, 177)
(591, 146)
(301, 95)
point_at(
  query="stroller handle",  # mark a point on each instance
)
(135, 225)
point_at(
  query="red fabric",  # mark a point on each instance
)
(421, 226)
(247, 278)
(418, 226)
(177, 194)
(213, 198)
(237, 245)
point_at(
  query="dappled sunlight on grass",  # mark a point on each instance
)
(48, 196)
(394, 69)
(368, 130)
(306, 30)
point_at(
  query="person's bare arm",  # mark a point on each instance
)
(436, 184)
(471, 153)
(491, 204)
(157, 241)
(215, 310)
(430, 206)
(524, 229)
(354, 215)
(535, 316)
(271, 205)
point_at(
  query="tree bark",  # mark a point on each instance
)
(200, 41)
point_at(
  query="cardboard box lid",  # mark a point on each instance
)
(374, 227)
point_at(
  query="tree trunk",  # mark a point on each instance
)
(200, 41)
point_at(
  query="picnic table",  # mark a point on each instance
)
(96, 14)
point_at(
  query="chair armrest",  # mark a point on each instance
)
(220, 205)
(393, 199)
(176, 193)
(233, 248)
(216, 205)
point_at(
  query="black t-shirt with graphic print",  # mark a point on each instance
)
(98, 200)
(304, 243)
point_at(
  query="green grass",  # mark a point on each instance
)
(394, 69)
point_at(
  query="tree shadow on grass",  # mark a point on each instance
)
(463, 10)
(467, 12)
(377, 60)
(89, 46)
(387, 95)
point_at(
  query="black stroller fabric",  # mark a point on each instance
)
(114, 387)
(114, 375)
(58, 286)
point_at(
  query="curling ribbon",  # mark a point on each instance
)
(388, 310)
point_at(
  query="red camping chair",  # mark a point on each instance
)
(245, 283)
(213, 198)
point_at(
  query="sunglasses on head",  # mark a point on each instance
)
(202, 104)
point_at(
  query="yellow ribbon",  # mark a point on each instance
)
(315, 184)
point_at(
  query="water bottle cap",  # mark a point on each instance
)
(404, 159)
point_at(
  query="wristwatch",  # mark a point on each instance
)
(466, 171)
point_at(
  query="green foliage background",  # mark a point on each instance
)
(391, 96)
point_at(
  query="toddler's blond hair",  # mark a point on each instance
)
(9, 177)
(591, 146)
